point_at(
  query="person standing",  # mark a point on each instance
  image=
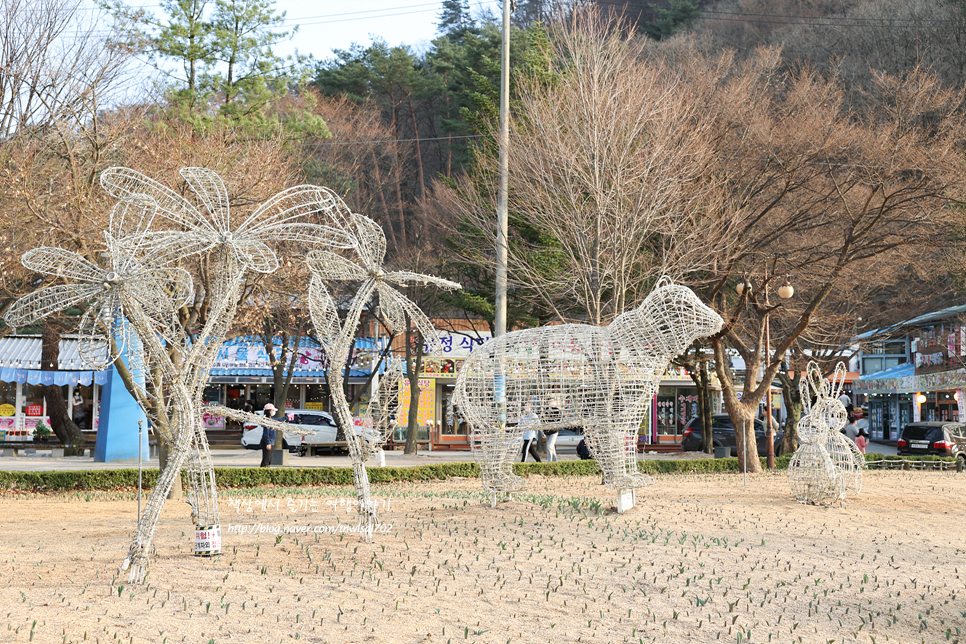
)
(268, 437)
(862, 441)
(530, 421)
(851, 430)
(551, 434)
(552, 415)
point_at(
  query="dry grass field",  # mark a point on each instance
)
(701, 559)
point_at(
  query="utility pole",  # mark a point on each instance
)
(499, 321)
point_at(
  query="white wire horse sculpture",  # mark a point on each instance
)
(600, 378)
(827, 464)
(132, 306)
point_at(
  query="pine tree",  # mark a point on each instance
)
(185, 37)
(455, 17)
(679, 15)
(224, 47)
(244, 33)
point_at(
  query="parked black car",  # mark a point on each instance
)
(723, 435)
(935, 437)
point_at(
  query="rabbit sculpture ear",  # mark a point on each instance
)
(838, 380)
(664, 281)
(818, 382)
(805, 393)
(811, 387)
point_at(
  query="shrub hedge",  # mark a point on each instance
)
(246, 477)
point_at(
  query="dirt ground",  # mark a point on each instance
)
(701, 559)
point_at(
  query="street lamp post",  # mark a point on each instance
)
(785, 291)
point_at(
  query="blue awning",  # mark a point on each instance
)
(899, 371)
(267, 373)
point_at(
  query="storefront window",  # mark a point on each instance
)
(8, 409)
(317, 397)
(8, 393)
(666, 424)
(451, 423)
(33, 406)
(33, 400)
(235, 396)
(212, 394)
(260, 396)
(293, 397)
(83, 406)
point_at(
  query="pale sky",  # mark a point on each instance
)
(325, 25)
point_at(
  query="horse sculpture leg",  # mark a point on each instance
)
(494, 449)
(615, 449)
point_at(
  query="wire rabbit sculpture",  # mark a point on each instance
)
(826, 465)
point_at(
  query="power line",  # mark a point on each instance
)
(300, 22)
(431, 138)
(435, 5)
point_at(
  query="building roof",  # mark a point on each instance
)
(23, 352)
(902, 380)
(899, 371)
(925, 318)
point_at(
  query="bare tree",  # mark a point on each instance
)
(609, 163)
(845, 37)
(626, 163)
(819, 190)
(357, 161)
(55, 65)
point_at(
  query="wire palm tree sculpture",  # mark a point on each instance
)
(369, 248)
(133, 306)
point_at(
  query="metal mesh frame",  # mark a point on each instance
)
(133, 302)
(827, 465)
(602, 379)
(367, 244)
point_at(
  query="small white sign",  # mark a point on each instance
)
(625, 500)
(462, 345)
(208, 540)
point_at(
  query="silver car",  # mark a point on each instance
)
(568, 438)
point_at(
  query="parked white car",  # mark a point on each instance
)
(319, 427)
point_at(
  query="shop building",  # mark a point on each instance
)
(242, 372)
(22, 377)
(915, 373)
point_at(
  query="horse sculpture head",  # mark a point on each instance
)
(669, 319)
